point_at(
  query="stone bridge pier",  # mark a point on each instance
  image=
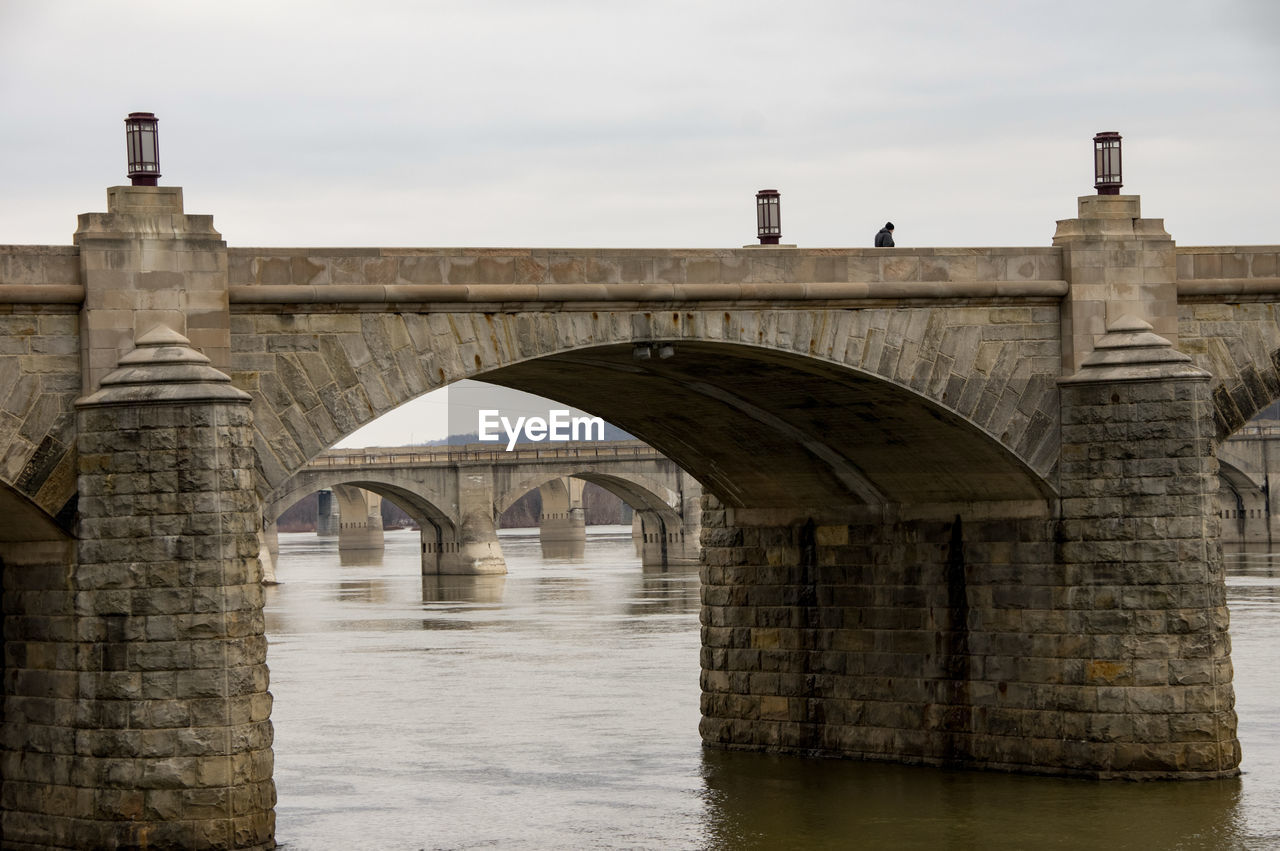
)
(1085, 636)
(663, 538)
(360, 524)
(562, 517)
(328, 514)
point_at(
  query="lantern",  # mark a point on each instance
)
(768, 216)
(1106, 163)
(143, 146)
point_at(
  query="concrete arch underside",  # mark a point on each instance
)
(424, 508)
(443, 543)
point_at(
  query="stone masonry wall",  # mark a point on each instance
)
(173, 741)
(930, 642)
(964, 643)
(1240, 344)
(39, 371)
(514, 266)
(1139, 496)
(41, 688)
(1228, 322)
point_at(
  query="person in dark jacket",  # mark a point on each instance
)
(884, 238)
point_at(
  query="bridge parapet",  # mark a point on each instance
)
(40, 274)
(272, 267)
(483, 453)
(1210, 273)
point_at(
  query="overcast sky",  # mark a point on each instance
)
(600, 123)
(584, 123)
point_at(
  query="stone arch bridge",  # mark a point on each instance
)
(960, 503)
(456, 494)
(1246, 462)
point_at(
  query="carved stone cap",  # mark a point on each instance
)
(1131, 351)
(144, 200)
(164, 369)
(1110, 217)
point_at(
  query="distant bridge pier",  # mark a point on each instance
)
(477, 542)
(664, 537)
(563, 518)
(360, 519)
(328, 520)
(663, 540)
(1246, 463)
(269, 551)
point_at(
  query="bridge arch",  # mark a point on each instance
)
(438, 530)
(846, 425)
(639, 492)
(418, 506)
(838, 435)
(1243, 506)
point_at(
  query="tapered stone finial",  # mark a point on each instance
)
(164, 368)
(1131, 351)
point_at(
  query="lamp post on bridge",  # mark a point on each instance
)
(1107, 178)
(142, 141)
(769, 216)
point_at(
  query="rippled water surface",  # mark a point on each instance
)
(557, 707)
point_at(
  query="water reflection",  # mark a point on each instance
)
(762, 801)
(362, 590)
(564, 550)
(672, 590)
(360, 558)
(463, 589)
(561, 589)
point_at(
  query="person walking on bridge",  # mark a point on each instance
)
(884, 237)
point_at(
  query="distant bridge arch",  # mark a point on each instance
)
(459, 492)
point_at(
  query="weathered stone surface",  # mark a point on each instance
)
(1072, 619)
(168, 673)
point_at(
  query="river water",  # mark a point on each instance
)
(557, 707)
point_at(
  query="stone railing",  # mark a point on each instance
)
(40, 274)
(1233, 271)
(480, 452)
(470, 275)
(50, 274)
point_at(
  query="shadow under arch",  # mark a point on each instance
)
(38, 605)
(22, 521)
(761, 427)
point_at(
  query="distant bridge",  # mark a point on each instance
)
(457, 493)
(1246, 463)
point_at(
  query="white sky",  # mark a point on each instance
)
(582, 123)
(455, 409)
